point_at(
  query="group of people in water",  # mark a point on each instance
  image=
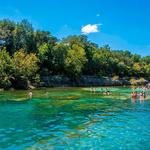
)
(141, 95)
(134, 95)
(104, 91)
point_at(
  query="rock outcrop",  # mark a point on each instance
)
(60, 81)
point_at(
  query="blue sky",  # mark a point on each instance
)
(123, 24)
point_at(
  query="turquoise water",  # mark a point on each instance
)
(88, 122)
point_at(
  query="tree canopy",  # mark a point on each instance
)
(26, 52)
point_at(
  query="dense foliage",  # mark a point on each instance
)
(26, 53)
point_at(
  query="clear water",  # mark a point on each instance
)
(86, 121)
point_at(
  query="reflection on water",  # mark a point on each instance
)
(82, 123)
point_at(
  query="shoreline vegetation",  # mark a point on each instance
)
(32, 58)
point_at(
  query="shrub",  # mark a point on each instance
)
(142, 81)
(133, 81)
(115, 78)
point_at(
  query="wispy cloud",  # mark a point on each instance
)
(87, 29)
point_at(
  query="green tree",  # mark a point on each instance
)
(43, 59)
(75, 61)
(73, 56)
(6, 34)
(135, 58)
(5, 69)
(23, 37)
(104, 63)
(24, 68)
(42, 52)
(59, 53)
(44, 37)
(147, 70)
(80, 40)
(146, 60)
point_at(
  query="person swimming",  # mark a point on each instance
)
(93, 89)
(107, 92)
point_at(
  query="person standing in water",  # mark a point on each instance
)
(142, 96)
(134, 95)
(30, 94)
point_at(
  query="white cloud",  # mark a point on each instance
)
(90, 28)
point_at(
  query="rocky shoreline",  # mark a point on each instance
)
(83, 81)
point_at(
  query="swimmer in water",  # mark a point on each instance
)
(30, 94)
(46, 94)
(133, 95)
(142, 96)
